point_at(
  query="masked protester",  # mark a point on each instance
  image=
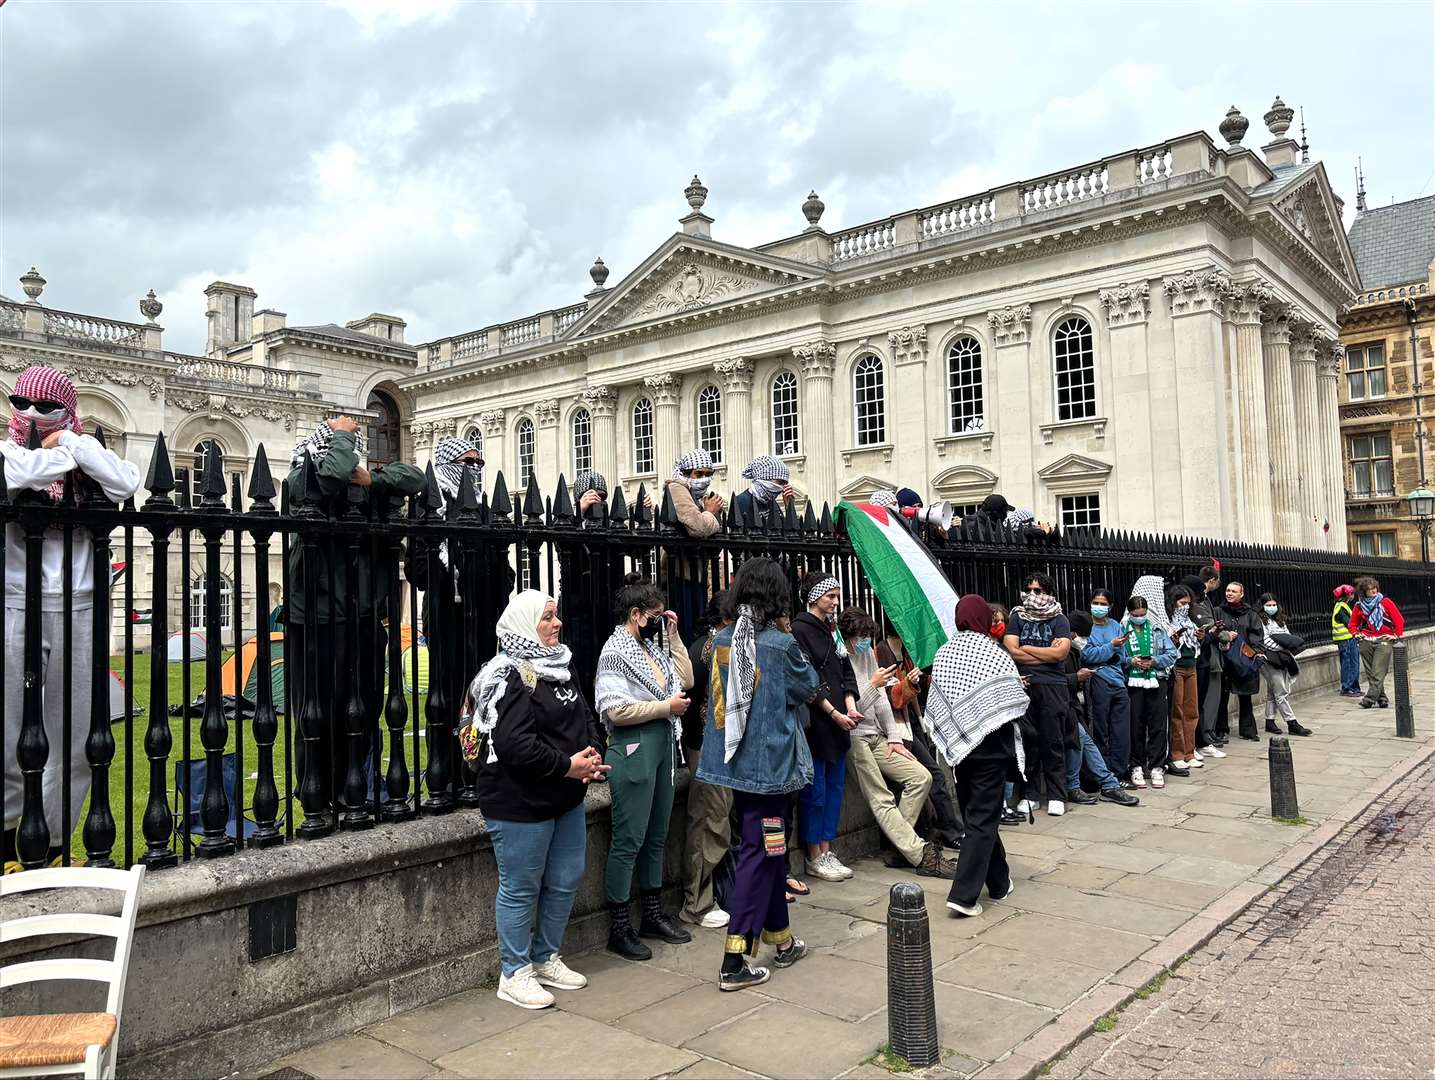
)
(1038, 636)
(1376, 623)
(45, 400)
(768, 486)
(1280, 669)
(697, 507)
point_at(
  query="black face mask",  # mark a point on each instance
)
(650, 631)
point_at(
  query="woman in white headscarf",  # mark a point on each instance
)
(533, 739)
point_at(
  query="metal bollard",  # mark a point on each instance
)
(1283, 797)
(1404, 712)
(911, 1001)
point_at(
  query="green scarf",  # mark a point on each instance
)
(1138, 643)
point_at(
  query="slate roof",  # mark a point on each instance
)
(1394, 245)
(1284, 177)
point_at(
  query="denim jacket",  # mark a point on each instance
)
(773, 757)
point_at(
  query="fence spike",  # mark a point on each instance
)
(4, 489)
(563, 504)
(668, 513)
(211, 494)
(467, 502)
(736, 520)
(236, 499)
(618, 515)
(502, 505)
(100, 435)
(641, 514)
(431, 499)
(32, 440)
(774, 518)
(790, 523)
(532, 501)
(261, 484)
(809, 519)
(160, 480)
(826, 523)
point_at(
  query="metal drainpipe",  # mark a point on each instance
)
(1411, 315)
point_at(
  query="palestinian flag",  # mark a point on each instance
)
(918, 598)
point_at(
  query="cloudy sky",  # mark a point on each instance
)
(462, 163)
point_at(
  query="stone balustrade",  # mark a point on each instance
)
(470, 345)
(1062, 189)
(521, 332)
(86, 329)
(232, 376)
(566, 317)
(1153, 164)
(957, 216)
(864, 240)
(12, 318)
(1393, 293)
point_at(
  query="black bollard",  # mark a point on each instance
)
(911, 1002)
(1283, 798)
(1404, 713)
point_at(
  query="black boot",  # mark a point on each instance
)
(1297, 728)
(659, 924)
(1274, 728)
(621, 938)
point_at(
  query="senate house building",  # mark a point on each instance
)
(1148, 340)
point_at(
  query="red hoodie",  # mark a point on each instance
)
(1394, 621)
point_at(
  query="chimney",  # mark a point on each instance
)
(268, 320)
(230, 310)
(379, 325)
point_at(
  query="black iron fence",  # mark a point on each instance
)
(361, 730)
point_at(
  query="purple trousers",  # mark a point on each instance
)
(759, 900)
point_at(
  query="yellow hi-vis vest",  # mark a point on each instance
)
(1340, 626)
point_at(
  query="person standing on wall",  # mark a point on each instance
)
(1345, 642)
(833, 715)
(1038, 636)
(639, 695)
(529, 733)
(709, 829)
(1376, 623)
(46, 401)
(758, 691)
(696, 507)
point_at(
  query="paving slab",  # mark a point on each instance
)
(687, 1015)
(830, 985)
(945, 946)
(1201, 871)
(709, 1069)
(1049, 939)
(1012, 974)
(564, 1044)
(447, 1024)
(1081, 877)
(1118, 857)
(1249, 828)
(1211, 846)
(982, 1025)
(1116, 912)
(357, 1057)
(768, 1042)
(1169, 891)
(617, 987)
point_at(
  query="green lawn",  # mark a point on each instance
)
(129, 752)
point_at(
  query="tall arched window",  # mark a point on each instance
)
(643, 460)
(474, 436)
(582, 441)
(525, 451)
(197, 599)
(385, 445)
(869, 394)
(784, 414)
(1075, 365)
(710, 422)
(966, 400)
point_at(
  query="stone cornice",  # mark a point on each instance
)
(1126, 305)
(84, 370)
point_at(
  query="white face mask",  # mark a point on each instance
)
(768, 489)
(33, 413)
(699, 485)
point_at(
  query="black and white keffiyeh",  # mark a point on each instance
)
(1184, 634)
(975, 689)
(590, 480)
(1037, 607)
(885, 498)
(821, 589)
(741, 681)
(446, 465)
(626, 676)
(693, 459)
(767, 467)
(1015, 519)
(316, 445)
(1150, 589)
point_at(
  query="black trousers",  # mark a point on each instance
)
(981, 777)
(1149, 727)
(1045, 746)
(944, 809)
(1204, 732)
(1247, 711)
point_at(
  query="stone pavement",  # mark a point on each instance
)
(1106, 899)
(1331, 974)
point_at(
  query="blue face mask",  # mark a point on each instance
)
(1271, 609)
(863, 645)
(1139, 620)
(1100, 611)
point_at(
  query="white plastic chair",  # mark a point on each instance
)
(68, 1043)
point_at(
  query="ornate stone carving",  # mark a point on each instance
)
(1249, 301)
(150, 307)
(909, 344)
(1330, 360)
(33, 284)
(601, 400)
(1126, 304)
(1199, 290)
(547, 412)
(492, 421)
(1279, 118)
(736, 374)
(695, 286)
(665, 388)
(599, 273)
(1233, 127)
(696, 193)
(1010, 325)
(812, 209)
(817, 359)
(244, 410)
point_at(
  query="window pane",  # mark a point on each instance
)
(1081, 511)
(784, 414)
(1375, 356)
(1359, 447)
(1075, 368)
(965, 403)
(870, 396)
(710, 422)
(1384, 477)
(1380, 445)
(1354, 359)
(643, 437)
(1377, 383)
(582, 441)
(1356, 382)
(525, 451)
(1365, 544)
(1361, 477)
(383, 429)
(1387, 545)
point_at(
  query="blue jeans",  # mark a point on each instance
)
(1111, 723)
(821, 801)
(1095, 764)
(539, 862)
(1349, 665)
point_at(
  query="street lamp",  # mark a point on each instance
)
(1422, 509)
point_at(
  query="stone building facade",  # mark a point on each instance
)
(1148, 340)
(1391, 323)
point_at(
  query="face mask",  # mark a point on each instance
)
(1138, 620)
(1100, 611)
(767, 490)
(33, 413)
(1271, 609)
(650, 631)
(863, 645)
(699, 486)
(1184, 609)
(999, 630)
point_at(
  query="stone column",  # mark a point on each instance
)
(1011, 400)
(1248, 410)
(1307, 433)
(1280, 431)
(737, 416)
(602, 406)
(1332, 355)
(665, 390)
(819, 435)
(546, 449)
(495, 456)
(1135, 409)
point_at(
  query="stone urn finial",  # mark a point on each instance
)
(696, 193)
(812, 209)
(1279, 118)
(1233, 127)
(150, 307)
(599, 273)
(33, 284)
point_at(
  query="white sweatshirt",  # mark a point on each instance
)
(36, 470)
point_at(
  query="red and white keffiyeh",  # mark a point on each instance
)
(45, 384)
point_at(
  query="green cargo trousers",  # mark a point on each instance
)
(641, 787)
(1375, 656)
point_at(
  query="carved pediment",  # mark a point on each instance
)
(1075, 467)
(1309, 212)
(964, 483)
(864, 487)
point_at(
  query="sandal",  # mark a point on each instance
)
(797, 888)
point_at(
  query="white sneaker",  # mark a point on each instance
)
(1026, 806)
(963, 911)
(1196, 763)
(714, 918)
(1214, 752)
(1056, 808)
(555, 973)
(821, 868)
(1158, 778)
(1138, 778)
(845, 870)
(1196, 755)
(522, 989)
(1180, 763)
